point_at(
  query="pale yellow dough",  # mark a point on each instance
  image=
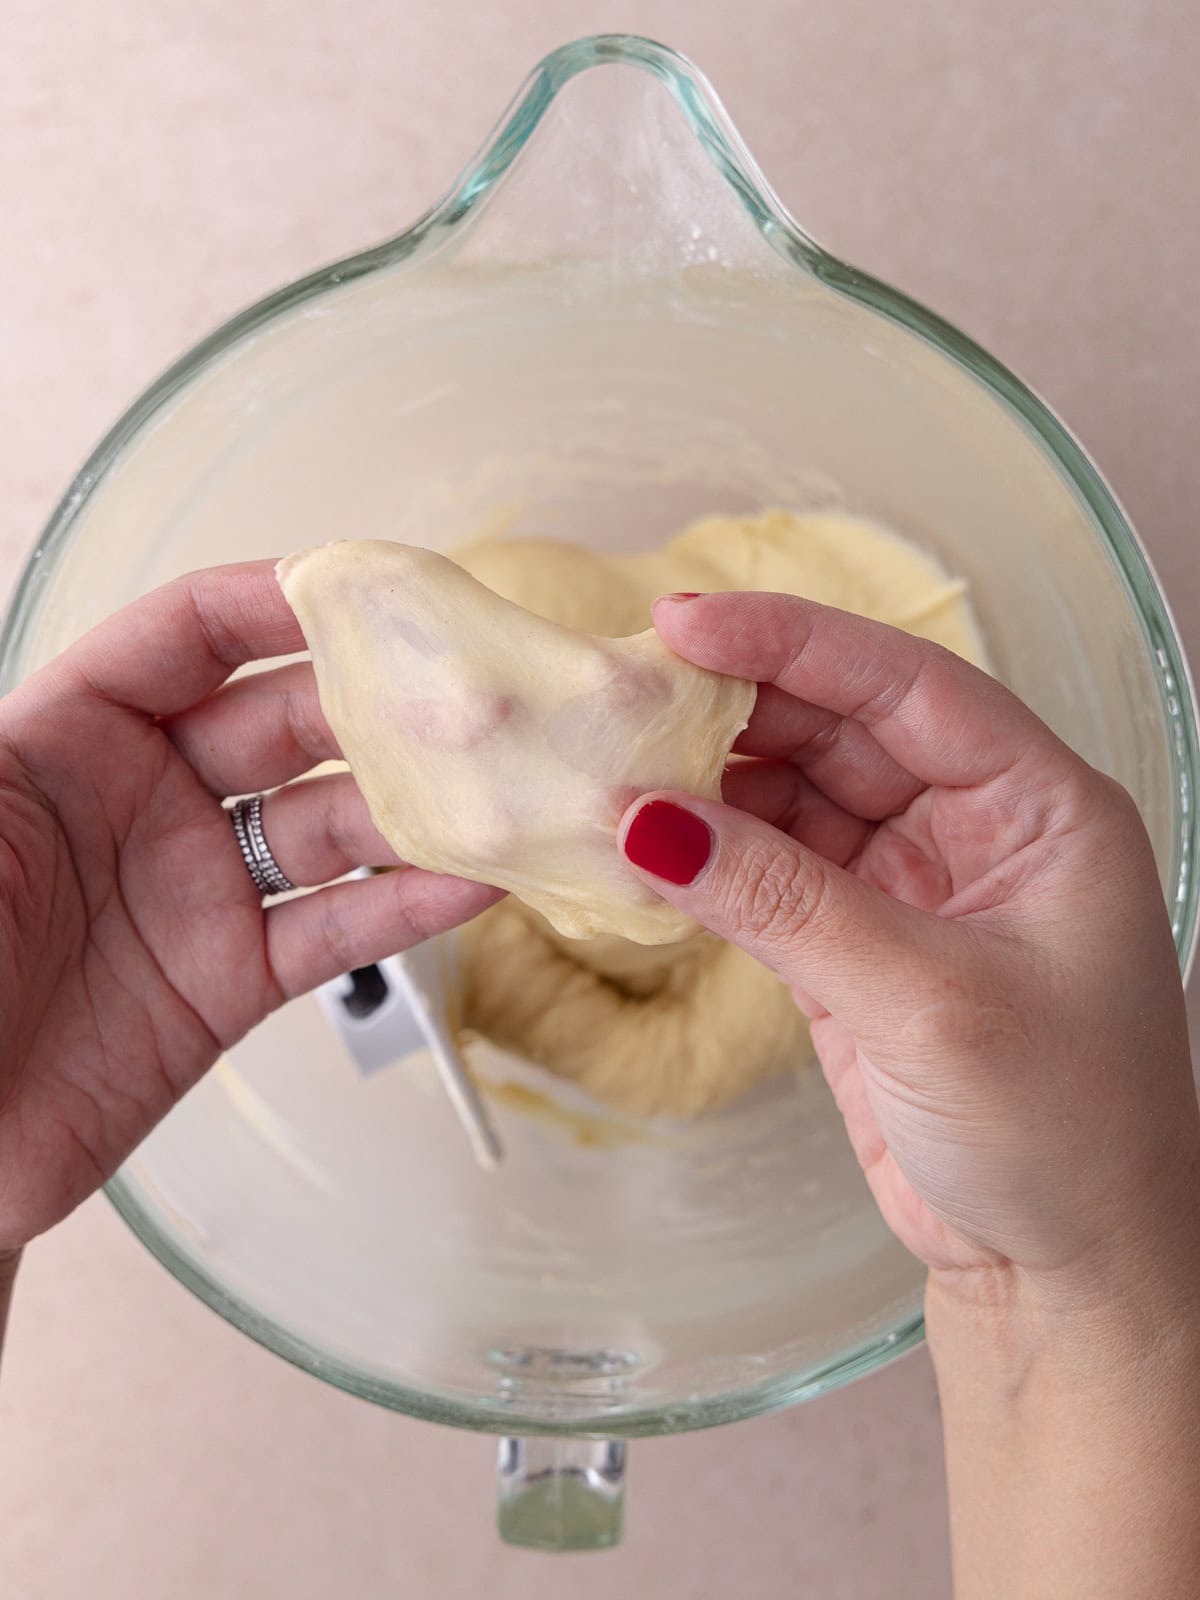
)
(494, 744)
(684, 1028)
(665, 1029)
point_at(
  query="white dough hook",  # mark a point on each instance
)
(383, 1012)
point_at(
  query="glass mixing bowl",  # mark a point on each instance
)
(608, 326)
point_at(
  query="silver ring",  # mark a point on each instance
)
(246, 816)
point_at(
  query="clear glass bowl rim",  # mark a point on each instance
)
(476, 184)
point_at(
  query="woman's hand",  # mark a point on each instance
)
(971, 916)
(134, 947)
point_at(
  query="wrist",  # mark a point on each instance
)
(1112, 1321)
(1112, 1302)
(1072, 1431)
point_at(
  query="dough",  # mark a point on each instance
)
(685, 1028)
(564, 583)
(673, 1030)
(499, 746)
(837, 559)
(844, 561)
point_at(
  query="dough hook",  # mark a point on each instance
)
(397, 1005)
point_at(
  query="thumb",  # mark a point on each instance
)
(846, 944)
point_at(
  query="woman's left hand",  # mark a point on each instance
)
(134, 947)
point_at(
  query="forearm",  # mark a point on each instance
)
(8, 1273)
(1072, 1440)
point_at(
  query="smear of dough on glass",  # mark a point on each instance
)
(496, 745)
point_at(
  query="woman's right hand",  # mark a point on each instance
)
(972, 918)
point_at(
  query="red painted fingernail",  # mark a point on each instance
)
(679, 596)
(669, 842)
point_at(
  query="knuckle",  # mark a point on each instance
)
(219, 638)
(305, 723)
(777, 895)
(922, 675)
(336, 822)
(348, 829)
(1084, 802)
(1116, 800)
(412, 918)
(968, 1004)
(961, 1021)
(332, 934)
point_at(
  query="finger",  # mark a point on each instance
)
(847, 945)
(781, 796)
(256, 732)
(314, 937)
(321, 828)
(177, 644)
(838, 754)
(940, 718)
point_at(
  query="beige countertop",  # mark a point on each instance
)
(1024, 169)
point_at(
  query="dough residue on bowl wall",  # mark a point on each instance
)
(676, 1030)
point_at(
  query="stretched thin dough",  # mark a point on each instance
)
(499, 746)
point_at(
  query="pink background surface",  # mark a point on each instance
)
(1026, 169)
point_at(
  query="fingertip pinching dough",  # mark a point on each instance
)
(598, 982)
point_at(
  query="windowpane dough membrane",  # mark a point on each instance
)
(496, 745)
(676, 1029)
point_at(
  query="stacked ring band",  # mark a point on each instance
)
(246, 816)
